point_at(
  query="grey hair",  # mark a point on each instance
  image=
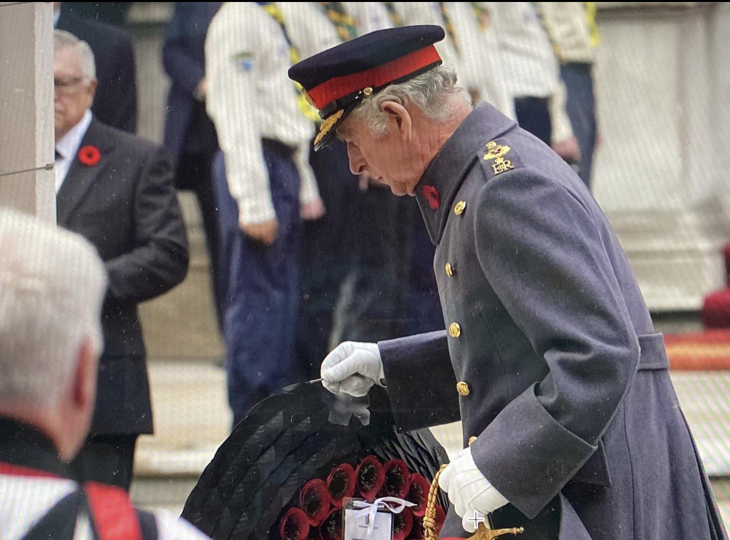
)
(52, 285)
(429, 92)
(63, 40)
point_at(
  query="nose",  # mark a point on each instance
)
(357, 160)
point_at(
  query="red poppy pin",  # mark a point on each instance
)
(89, 155)
(432, 195)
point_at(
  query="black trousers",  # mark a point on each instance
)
(533, 115)
(107, 459)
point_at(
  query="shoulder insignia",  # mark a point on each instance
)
(496, 153)
(498, 158)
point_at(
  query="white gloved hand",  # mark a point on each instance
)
(471, 494)
(353, 368)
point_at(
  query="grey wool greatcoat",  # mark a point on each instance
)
(550, 359)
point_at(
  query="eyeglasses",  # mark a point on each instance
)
(66, 86)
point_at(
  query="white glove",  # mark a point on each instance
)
(353, 368)
(471, 494)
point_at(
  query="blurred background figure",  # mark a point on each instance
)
(327, 243)
(572, 29)
(265, 187)
(481, 66)
(116, 95)
(532, 77)
(116, 190)
(52, 286)
(189, 133)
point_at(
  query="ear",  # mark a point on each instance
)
(400, 118)
(91, 89)
(84, 381)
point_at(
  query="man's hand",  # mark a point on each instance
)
(353, 368)
(312, 210)
(201, 91)
(568, 150)
(262, 232)
(471, 494)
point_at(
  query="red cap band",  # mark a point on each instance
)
(339, 87)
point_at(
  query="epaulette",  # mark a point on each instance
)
(498, 158)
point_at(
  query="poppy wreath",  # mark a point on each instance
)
(89, 155)
(320, 501)
(278, 458)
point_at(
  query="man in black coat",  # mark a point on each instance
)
(115, 103)
(116, 190)
(189, 134)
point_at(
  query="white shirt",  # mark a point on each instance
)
(25, 500)
(482, 65)
(530, 66)
(68, 147)
(430, 13)
(250, 97)
(569, 30)
(309, 27)
(369, 16)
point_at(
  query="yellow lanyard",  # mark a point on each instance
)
(482, 15)
(592, 26)
(393, 14)
(345, 24)
(304, 106)
(449, 27)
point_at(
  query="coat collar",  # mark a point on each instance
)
(81, 177)
(439, 184)
(25, 449)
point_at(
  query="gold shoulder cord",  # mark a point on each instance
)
(429, 521)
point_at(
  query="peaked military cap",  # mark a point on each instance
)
(335, 81)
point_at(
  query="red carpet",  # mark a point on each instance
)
(701, 351)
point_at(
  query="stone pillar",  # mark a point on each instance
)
(26, 108)
(662, 86)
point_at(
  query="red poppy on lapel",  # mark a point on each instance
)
(432, 194)
(89, 155)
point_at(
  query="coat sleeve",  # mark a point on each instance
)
(179, 65)
(233, 58)
(158, 257)
(541, 251)
(420, 380)
(126, 80)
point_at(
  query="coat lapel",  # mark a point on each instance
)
(81, 177)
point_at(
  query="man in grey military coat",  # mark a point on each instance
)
(572, 429)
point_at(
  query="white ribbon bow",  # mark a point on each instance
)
(393, 504)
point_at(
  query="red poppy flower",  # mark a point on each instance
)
(432, 195)
(341, 484)
(294, 525)
(402, 524)
(331, 528)
(397, 479)
(370, 477)
(417, 530)
(89, 155)
(418, 494)
(315, 500)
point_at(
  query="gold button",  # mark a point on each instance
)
(450, 270)
(463, 388)
(472, 440)
(459, 208)
(454, 330)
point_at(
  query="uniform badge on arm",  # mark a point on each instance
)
(243, 61)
